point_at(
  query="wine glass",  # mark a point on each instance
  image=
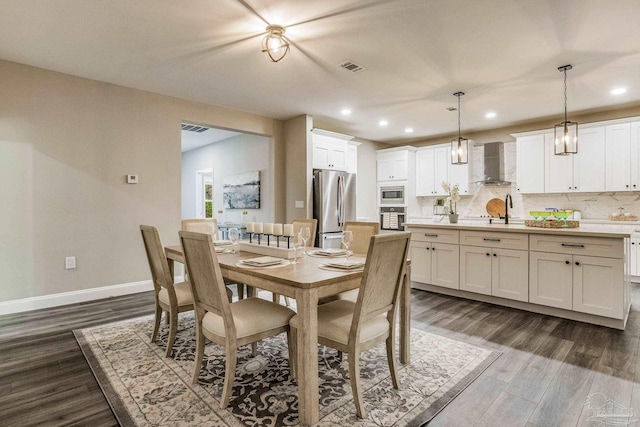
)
(296, 241)
(347, 238)
(305, 234)
(234, 235)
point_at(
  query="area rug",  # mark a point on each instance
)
(146, 389)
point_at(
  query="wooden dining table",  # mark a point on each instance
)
(306, 282)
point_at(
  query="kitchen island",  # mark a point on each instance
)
(574, 273)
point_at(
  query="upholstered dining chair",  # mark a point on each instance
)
(227, 324)
(209, 226)
(172, 298)
(356, 327)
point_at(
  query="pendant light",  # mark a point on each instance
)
(565, 135)
(459, 145)
(274, 44)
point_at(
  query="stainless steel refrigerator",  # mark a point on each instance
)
(334, 203)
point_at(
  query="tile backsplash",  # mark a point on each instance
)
(592, 205)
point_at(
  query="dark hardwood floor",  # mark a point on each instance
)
(548, 367)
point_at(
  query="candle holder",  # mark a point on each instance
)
(268, 242)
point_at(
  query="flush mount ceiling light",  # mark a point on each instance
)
(565, 135)
(459, 145)
(274, 44)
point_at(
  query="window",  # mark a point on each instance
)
(204, 193)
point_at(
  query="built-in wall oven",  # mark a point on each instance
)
(391, 218)
(392, 194)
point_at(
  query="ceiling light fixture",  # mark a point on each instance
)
(565, 135)
(490, 115)
(459, 145)
(383, 123)
(274, 44)
(408, 130)
(346, 112)
(618, 91)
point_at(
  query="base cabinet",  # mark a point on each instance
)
(435, 263)
(493, 271)
(586, 284)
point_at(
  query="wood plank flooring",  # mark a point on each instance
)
(548, 367)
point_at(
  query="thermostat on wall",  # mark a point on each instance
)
(132, 179)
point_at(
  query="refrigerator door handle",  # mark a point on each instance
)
(340, 204)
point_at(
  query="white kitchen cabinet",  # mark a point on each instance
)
(594, 290)
(433, 166)
(530, 163)
(581, 172)
(551, 279)
(633, 256)
(622, 157)
(435, 263)
(393, 165)
(352, 158)
(493, 271)
(329, 152)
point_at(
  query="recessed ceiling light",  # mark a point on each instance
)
(383, 123)
(408, 130)
(345, 111)
(490, 115)
(618, 91)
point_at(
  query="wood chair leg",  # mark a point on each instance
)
(229, 375)
(276, 298)
(254, 349)
(198, 356)
(156, 325)
(354, 378)
(252, 291)
(340, 356)
(173, 328)
(240, 288)
(166, 318)
(391, 360)
(292, 344)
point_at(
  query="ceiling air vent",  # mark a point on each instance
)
(194, 128)
(350, 66)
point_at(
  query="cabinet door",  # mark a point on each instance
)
(445, 265)
(352, 158)
(425, 181)
(558, 170)
(635, 156)
(320, 153)
(510, 274)
(420, 253)
(618, 161)
(530, 164)
(475, 269)
(633, 256)
(400, 167)
(459, 174)
(385, 169)
(589, 163)
(551, 279)
(338, 155)
(442, 160)
(598, 286)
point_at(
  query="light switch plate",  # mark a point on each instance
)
(299, 203)
(132, 179)
(70, 262)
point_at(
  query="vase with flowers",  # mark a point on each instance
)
(451, 202)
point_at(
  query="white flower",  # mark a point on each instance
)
(454, 196)
(446, 187)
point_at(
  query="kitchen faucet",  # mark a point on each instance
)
(506, 207)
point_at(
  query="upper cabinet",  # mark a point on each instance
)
(623, 157)
(393, 165)
(433, 166)
(333, 151)
(582, 172)
(530, 163)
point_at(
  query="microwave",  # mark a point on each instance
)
(392, 195)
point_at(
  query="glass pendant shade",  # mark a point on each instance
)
(274, 44)
(565, 138)
(459, 151)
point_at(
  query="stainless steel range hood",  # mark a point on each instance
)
(493, 165)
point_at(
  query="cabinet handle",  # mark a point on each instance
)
(627, 185)
(430, 235)
(433, 249)
(569, 188)
(495, 254)
(577, 263)
(634, 186)
(572, 245)
(488, 254)
(427, 248)
(575, 188)
(518, 189)
(567, 262)
(490, 239)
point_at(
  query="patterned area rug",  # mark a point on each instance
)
(146, 389)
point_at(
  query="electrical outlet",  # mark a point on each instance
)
(132, 179)
(70, 263)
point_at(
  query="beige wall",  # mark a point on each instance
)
(298, 164)
(66, 144)
(367, 180)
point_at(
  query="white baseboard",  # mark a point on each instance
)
(65, 298)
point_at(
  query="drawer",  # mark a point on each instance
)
(592, 246)
(440, 235)
(495, 239)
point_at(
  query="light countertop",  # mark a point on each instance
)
(584, 230)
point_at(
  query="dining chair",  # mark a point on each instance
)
(209, 226)
(356, 327)
(170, 297)
(227, 324)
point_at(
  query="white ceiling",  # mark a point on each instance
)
(503, 53)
